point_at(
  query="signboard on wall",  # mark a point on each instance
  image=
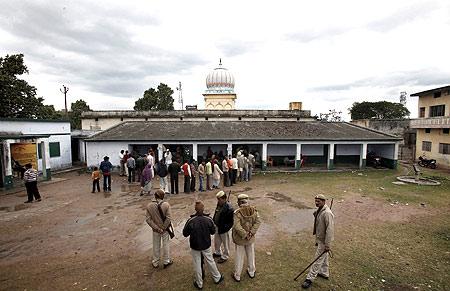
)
(24, 153)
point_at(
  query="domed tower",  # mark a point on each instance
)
(219, 94)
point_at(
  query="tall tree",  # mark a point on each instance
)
(19, 99)
(159, 99)
(76, 108)
(378, 110)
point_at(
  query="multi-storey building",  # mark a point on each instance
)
(433, 125)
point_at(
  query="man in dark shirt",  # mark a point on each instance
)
(223, 219)
(199, 228)
(174, 169)
(106, 167)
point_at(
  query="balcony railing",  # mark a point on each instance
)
(432, 122)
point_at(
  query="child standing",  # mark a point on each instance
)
(95, 180)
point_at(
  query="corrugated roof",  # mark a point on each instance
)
(239, 131)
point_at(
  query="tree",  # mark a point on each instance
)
(331, 116)
(378, 110)
(160, 99)
(18, 97)
(76, 108)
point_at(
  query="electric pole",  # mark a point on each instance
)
(64, 90)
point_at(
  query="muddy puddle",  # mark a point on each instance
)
(279, 197)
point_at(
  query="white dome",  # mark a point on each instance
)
(220, 80)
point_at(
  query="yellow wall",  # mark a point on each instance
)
(428, 100)
(435, 137)
(220, 101)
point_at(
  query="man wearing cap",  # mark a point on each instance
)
(245, 226)
(159, 219)
(223, 219)
(199, 228)
(324, 232)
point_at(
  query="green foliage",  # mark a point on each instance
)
(76, 108)
(18, 97)
(159, 99)
(378, 110)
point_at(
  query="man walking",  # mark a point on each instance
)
(199, 228)
(223, 219)
(245, 226)
(131, 165)
(140, 164)
(324, 232)
(174, 169)
(30, 178)
(159, 219)
(106, 167)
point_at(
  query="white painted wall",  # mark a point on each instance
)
(348, 150)
(97, 150)
(281, 149)
(313, 149)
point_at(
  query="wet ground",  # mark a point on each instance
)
(77, 240)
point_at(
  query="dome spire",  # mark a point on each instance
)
(220, 61)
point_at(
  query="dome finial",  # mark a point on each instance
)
(220, 61)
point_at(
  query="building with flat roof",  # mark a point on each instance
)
(433, 125)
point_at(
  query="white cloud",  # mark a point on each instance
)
(327, 54)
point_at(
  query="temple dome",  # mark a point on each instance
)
(220, 80)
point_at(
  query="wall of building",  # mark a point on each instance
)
(97, 150)
(428, 100)
(65, 159)
(435, 136)
(348, 150)
(281, 149)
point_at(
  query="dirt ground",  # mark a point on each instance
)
(76, 240)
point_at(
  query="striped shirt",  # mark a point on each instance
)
(30, 175)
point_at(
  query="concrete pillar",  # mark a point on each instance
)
(363, 156)
(160, 151)
(264, 157)
(7, 159)
(298, 157)
(396, 147)
(195, 151)
(330, 160)
(45, 154)
(230, 149)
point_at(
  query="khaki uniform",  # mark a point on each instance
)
(324, 227)
(246, 219)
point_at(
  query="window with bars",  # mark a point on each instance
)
(422, 112)
(444, 148)
(426, 146)
(438, 110)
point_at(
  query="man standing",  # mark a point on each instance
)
(174, 169)
(199, 228)
(162, 173)
(230, 170)
(245, 226)
(140, 164)
(226, 176)
(159, 219)
(208, 175)
(106, 167)
(324, 232)
(122, 163)
(187, 177)
(235, 169)
(193, 175)
(30, 178)
(240, 162)
(201, 175)
(251, 165)
(223, 219)
(131, 165)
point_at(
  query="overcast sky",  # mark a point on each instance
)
(327, 54)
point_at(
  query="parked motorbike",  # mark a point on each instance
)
(373, 159)
(427, 163)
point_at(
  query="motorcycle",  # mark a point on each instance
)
(374, 160)
(427, 163)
